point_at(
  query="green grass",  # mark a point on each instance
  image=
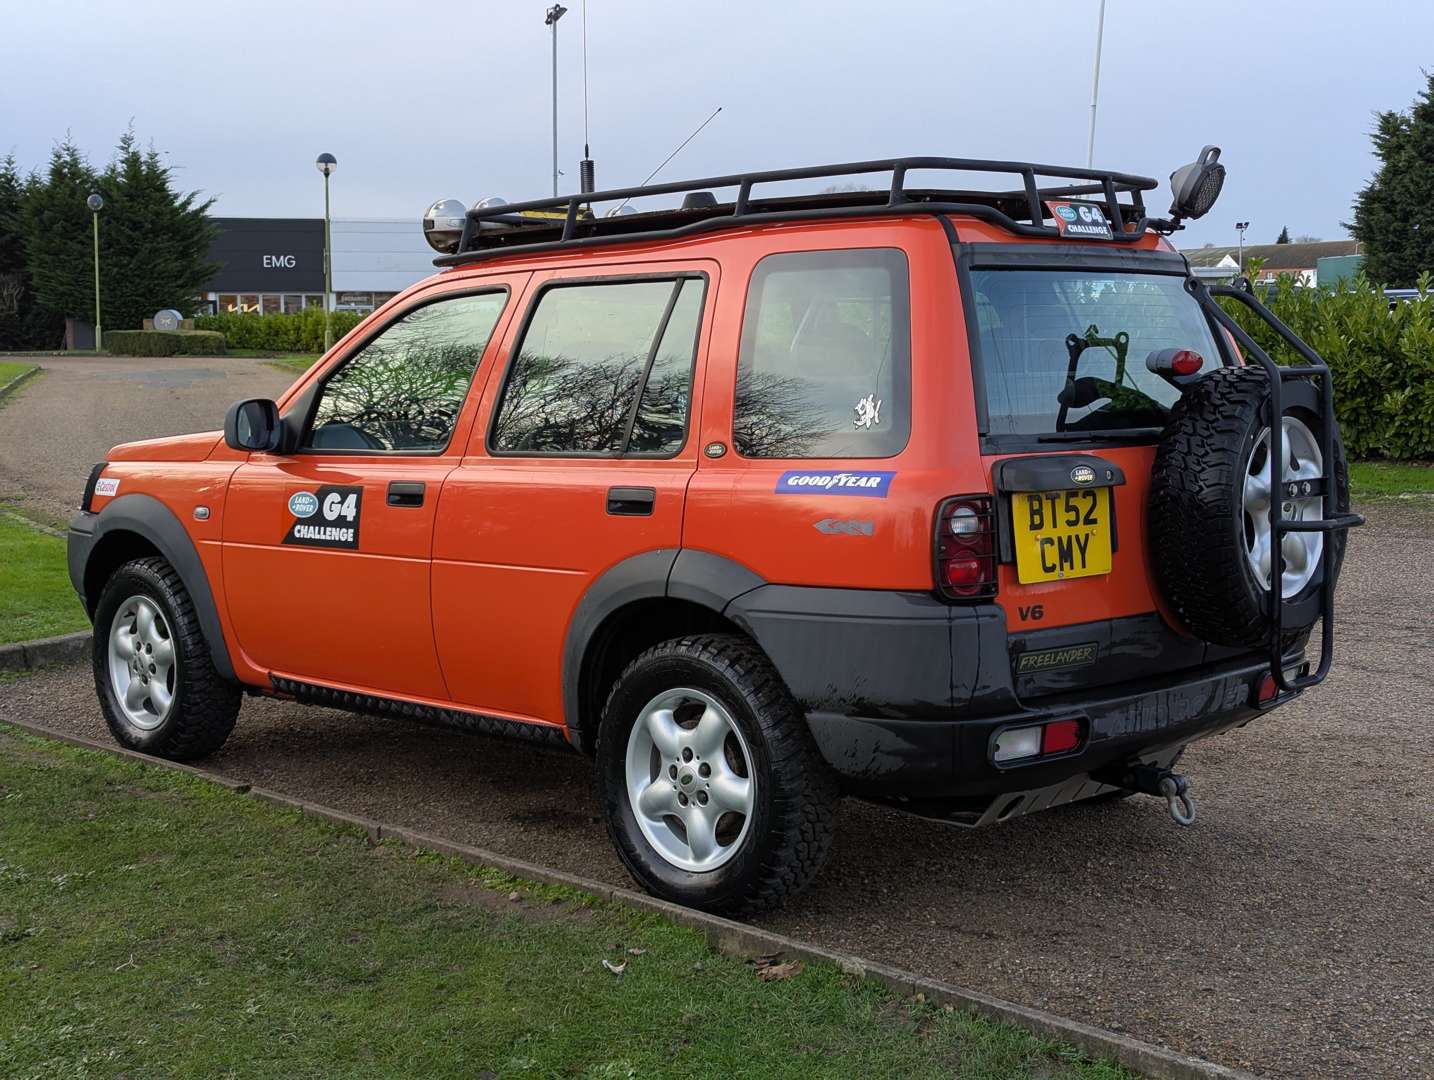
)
(36, 597)
(1377, 479)
(298, 363)
(9, 369)
(155, 925)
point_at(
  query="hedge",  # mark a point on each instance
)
(164, 343)
(301, 331)
(1382, 358)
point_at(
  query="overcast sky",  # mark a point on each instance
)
(452, 99)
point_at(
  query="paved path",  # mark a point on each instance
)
(1290, 931)
(63, 420)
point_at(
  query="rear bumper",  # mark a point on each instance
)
(905, 695)
(946, 768)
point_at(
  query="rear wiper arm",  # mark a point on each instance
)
(1119, 434)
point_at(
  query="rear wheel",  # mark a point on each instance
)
(715, 795)
(156, 683)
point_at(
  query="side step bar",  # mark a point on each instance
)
(1317, 371)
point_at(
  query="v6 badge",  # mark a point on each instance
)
(327, 518)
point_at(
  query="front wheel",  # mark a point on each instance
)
(156, 683)
(715, 794)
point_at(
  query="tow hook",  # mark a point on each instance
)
(1153, 780)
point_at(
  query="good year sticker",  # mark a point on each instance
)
(326, 518)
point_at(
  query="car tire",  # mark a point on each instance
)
(1201, 529)
(156, 682)
(683, 840)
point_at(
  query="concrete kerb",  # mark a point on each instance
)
(18, 381)
(42, 652)
(733, 938)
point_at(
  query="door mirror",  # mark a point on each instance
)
(253, 425)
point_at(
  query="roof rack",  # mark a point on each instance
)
(566, 221)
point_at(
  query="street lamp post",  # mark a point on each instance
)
(96, 204)
(327, 163)
(556, 12)
(1241, 226)
(1095, 87)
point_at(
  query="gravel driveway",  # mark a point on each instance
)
(1290, 931)
(54, 427)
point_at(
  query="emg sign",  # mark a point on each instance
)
(280, 262)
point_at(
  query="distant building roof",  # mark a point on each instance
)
(1276, 256)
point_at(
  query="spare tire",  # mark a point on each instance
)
(1209, 496)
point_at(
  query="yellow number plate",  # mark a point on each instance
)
(1061, 534)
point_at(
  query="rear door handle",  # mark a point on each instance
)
(631, 501)
(405, 493)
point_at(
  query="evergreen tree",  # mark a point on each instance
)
(1394, 214)
(1284, 237)
(154, 242)
(24, 323)
(55, 229)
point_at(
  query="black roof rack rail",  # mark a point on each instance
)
(566, 221)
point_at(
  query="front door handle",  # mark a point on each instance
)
(405, 493)
(631, 501)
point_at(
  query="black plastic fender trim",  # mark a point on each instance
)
(638, 577)
(146, 516)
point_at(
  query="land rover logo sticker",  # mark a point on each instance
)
(303, 504)
(1049, 659)
(328, 518)
(1082, 474)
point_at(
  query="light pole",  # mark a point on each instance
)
(1095, 87)
(556, 12)
(327, 163)
(1241, 226)
(96, 204)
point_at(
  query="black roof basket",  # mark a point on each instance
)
(568, 221)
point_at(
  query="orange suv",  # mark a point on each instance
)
(957, 499)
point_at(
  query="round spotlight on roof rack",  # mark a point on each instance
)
(1196, 186)
(490, 201)
(621, 211)
(443, 225)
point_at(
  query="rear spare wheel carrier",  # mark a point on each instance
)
(1211, 486)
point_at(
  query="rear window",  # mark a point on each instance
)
(825, 365)
(1064, 351)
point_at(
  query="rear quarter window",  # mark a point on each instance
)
(825, 364)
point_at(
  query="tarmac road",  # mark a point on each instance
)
(1290, 931)
(60, 422)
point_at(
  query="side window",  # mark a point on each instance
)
(603, 369)
(825, 363)
(405, 388)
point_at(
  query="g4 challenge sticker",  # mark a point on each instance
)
(327, 518)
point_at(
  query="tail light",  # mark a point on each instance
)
(965, 548)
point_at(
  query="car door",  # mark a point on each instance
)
(327, 549)
(580, 460)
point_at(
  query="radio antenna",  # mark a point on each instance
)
(674, 153)
(587, 171)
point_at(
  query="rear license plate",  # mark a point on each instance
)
(1061, 534)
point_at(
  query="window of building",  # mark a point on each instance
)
(249, 302)
(603, 369)
(228, 302)
(405, 388)
(270, 304)
(293, 302)
(825, 362)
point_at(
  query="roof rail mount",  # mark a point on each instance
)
(568, 221)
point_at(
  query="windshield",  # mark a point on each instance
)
(1064, 351)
